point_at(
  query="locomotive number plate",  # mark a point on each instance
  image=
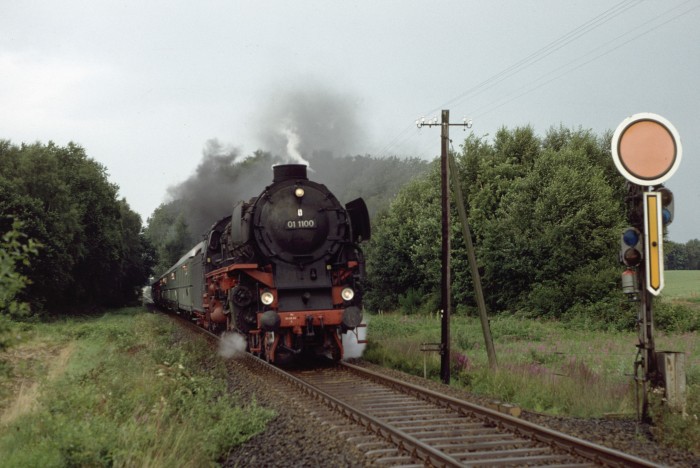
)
(301, 224)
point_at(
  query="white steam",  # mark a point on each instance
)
(310, 119)
(232, 345)
(353, 349)
(293, 142)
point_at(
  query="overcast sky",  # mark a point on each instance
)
(144, 85)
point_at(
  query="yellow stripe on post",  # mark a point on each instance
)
(653, 242)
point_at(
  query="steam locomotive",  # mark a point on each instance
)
(285, 270)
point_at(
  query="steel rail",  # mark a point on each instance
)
(432, 456)
(596, 453)
(406, 442)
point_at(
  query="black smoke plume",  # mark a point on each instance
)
(296, 125)
(221, 179)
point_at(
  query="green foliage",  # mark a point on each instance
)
(14, 250)
(674, 317)
(682, 256)
(545, 215)
(171, 409)
(611, 314)
(168, 231)
(542, 365)
(410, 302)
(93, 252)
(402, 252)
(677, 429)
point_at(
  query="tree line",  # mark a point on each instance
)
(90, 248)
(679, 256)
(545, 213)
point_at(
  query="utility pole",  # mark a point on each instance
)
(445, 280)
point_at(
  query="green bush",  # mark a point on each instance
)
(612, 314)
(544, 215)
(411, 301)
(673, 317)
(15, 250)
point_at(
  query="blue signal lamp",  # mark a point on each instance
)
(631, 247)
(666, 205)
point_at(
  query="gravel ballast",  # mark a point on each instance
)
(305, 433)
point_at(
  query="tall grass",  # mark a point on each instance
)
(135, 391)
(542, 366)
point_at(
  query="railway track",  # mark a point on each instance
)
(401, 424)
(427, 428)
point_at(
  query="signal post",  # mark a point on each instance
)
(647, 151)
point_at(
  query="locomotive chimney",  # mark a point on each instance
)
(288, 171)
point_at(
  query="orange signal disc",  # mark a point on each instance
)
(646, 149)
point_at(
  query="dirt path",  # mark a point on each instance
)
(27, 390)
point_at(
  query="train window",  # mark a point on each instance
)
(172, 275)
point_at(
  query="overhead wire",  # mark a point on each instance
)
(533, 85)
(547, 50)
(524, 63)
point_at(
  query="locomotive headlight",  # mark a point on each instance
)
(267, 297)
(347, 294)
(299, 192)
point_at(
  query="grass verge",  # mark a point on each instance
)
(543, 366)
(125, 389)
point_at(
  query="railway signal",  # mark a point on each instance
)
(646, 149)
